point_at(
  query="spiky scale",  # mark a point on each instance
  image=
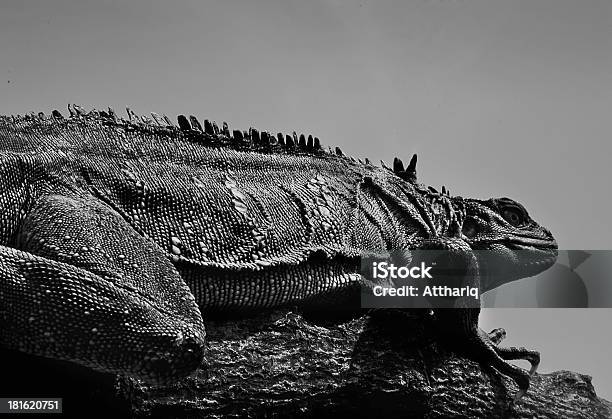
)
(80, 111)
(131, 115)
(411, 174)
(398, 165)
(226, 130)
(310, 143)
(208, 128)
(339, 151)
(168, 121)
(412, 166)
(183, 123)
(56, 114)
(265, 138)
(215, 128)
(302, 142)
(238, 135)
(195, 124)
(254, 134)
(158, 119)
(317, 143)
(281, 138)
(289, 141)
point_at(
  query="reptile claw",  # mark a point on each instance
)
(497, 335)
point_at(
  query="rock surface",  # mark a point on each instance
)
(279, 364)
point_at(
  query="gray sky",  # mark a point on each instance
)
(498, 98)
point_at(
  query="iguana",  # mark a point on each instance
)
(116, 235)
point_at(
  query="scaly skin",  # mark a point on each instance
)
(115, 236)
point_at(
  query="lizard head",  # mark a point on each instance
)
(508, 243)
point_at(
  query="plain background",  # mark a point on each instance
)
(498, 98)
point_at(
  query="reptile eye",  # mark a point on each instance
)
(470, 228)
(513, 216)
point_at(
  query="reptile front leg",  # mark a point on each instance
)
(459, 265)
(497, 335)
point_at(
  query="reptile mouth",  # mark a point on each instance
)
(527, 243)
(524, 243)
(540, 257)
(530, 257)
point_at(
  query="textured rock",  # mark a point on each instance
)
(385, 365)
(279, 363)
